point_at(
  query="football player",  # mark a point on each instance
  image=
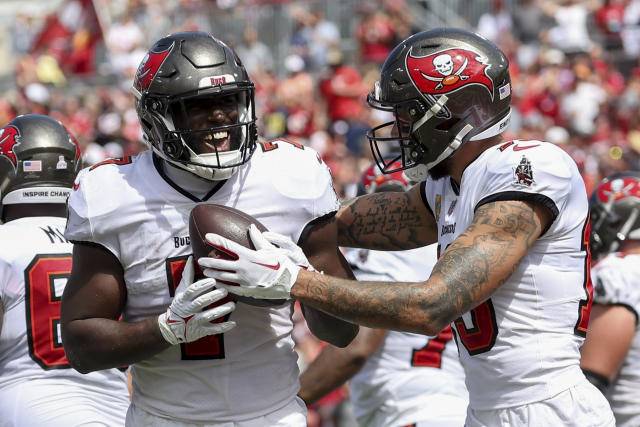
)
(395, 378)
(198, 357)
(39, 161)
(511, 222)
(611, 353)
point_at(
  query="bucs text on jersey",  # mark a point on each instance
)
(410, 377)
(37, 384)
(130, 208)
(615, 278)
(522, 344)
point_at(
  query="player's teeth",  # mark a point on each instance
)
(220, 135)
(208, 137)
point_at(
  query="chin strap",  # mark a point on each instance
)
(452, 147)
(418, 173)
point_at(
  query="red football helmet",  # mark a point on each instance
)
(615, 212)
(374, 181)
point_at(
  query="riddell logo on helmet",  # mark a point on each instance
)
(448, 70)
(8, 141)
(149, 67)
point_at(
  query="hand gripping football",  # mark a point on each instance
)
(227, 222)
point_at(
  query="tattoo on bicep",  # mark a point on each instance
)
(467, 264)
(388, 221)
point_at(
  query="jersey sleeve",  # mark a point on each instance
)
(616, 285)
(11, 286)
(539, 173)
(328, 201)
(305, 186)
(88, 213)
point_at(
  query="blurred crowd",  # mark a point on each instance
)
(575, 75)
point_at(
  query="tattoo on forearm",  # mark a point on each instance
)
(382, 221)
(466, 266)
(378, 303)
(471, 268)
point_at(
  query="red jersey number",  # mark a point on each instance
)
(211, 346)
(430, 356)
(481, 336)
(45, 278)
(273, 144)
(584, 307)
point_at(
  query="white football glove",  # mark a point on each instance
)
(184, 320)
(268, 272)
(293, 251)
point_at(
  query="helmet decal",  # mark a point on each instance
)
(211, 81)
(448, 70)
(373, 180)
(149, 67)
(44, 161)
(619, 188)
(8, 139)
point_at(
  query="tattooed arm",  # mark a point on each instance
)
(387, 221)
(473, 266)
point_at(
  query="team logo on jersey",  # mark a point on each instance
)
(438, 206)
(619, 188)
(524, 173)
(9, 139)
(449, 70)
(149, 68)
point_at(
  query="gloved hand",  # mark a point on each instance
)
(267, 272)
(293, 251)
(184, 320)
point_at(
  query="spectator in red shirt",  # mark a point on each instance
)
(375, 34)
(610, 20)
(343, 89)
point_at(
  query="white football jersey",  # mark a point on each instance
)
(615, 278)
(37, 385)
(522, 344)
(132, 209)
(410, 377)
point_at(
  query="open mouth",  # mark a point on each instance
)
(218, 141)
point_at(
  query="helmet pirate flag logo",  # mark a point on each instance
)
(149, 68)
(8, 140)
(618, 189)
(448, 70)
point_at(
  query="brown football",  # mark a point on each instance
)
(227, 222)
